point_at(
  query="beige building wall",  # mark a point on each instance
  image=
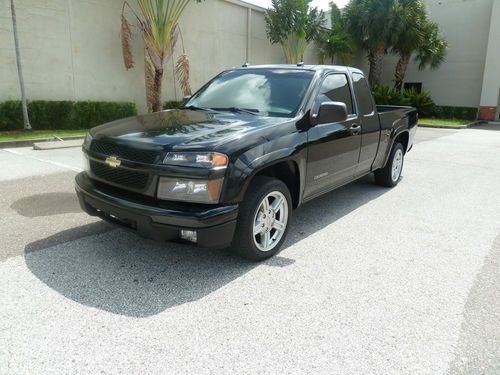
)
(490, 109)
(465, 24)
(71, 48)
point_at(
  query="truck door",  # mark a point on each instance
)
(333, 148)
(369, 121)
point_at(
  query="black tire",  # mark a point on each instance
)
(243, 243)
(384, 176)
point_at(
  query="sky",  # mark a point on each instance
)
(321, 4)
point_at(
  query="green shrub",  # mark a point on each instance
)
(11, 115)
(420, 100)
(460, 113)
(172, 104)
(89, 114)
(388, 95)
(64, 115)
(46, 114)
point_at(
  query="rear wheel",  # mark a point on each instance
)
(391, 174)
(263, 219)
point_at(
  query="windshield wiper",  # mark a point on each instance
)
(196, 108)
(251, 111)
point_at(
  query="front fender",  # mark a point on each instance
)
(291, 147)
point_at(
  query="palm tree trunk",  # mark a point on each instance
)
(26, 119)
(157, 104)
(400, 72)
(375, 58)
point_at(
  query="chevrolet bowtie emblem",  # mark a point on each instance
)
(113, 162)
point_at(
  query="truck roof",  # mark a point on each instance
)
(336, 68)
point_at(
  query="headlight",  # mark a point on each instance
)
(211, 160)
(187, 190)
(87, 141)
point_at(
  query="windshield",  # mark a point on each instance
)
(271, 92)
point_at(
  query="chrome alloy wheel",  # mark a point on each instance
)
(270, 221)
(397, 165)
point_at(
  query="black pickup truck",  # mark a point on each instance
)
(251, 145)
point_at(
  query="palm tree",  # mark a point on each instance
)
(335, 42)
(158, 23)
(432, 52)
(414, 33)
(26, 119)
(293, 24)
(369, 22)
(408, 23)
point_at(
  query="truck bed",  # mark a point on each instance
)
(390, 114)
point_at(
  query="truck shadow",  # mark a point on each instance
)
(486, 126)
(46, 204)
(119, 272)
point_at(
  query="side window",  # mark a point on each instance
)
(363, 94)
(335, 88)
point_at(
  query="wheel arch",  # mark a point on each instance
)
(402, 137)
(287, 171)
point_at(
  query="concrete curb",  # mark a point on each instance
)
(471, 125)
(57, 144)
(442, 126)
(31, 142)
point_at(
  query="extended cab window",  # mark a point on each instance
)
(363, 94)
(335, 88)
(276, 92)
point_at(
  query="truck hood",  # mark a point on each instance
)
(184, 129)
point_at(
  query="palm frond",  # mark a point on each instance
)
(182, 73)
(294, 47)
(159, 27)
(126, 37)
(433, 51)
(157, 21)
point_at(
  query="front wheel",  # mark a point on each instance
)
(391, 174)
(263, 220)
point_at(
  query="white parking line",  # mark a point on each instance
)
(52, 162)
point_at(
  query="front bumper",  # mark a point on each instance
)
(214, 227)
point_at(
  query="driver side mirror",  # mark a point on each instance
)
(330, 112)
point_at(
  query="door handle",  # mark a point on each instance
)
(355, 129)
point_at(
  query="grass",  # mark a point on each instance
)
(21, 135)
(444, 122)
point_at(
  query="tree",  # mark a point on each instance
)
(335, 42)
(414, 32)
(369, 22)
(293, 24)
(433, 51)
(26, 119)
(159, 25)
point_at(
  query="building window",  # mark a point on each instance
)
(417, 86)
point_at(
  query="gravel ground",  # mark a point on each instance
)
(370, 280)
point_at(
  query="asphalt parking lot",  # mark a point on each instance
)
(370, 281)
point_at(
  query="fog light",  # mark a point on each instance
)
(86, 163)
(189, 235)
